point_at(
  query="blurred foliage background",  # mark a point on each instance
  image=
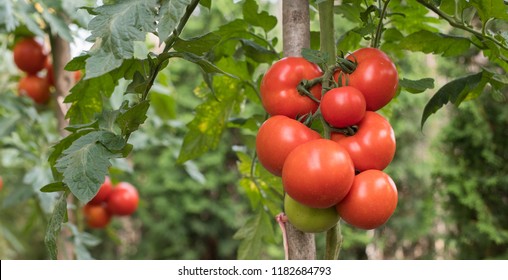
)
(451, 175)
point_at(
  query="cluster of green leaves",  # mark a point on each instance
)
(474, 26)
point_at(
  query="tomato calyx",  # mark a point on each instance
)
(305, 85)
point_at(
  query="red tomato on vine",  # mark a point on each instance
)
(96, 215)
(29, 55)
(34, 87)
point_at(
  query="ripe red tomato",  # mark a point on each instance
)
(103, 193)
(279, 93)
(123, 199)
(29, 55)
(343, 106)
(318, 173)
(373, 145)
(96, 215)
(1, 183)
(375, 76)
(371, 200)
(277, 137)
(35, 87)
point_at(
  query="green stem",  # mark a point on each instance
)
(333, 242)
(379, 30)
(453, 22)
(172, 38)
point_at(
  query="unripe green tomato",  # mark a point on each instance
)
(308, 219)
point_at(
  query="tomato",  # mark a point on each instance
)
(29, 55)
(96, 215)
(103, 193)
(371, 200)
(123, 199)
(34, 87)
(373, 145)
(277, 137)
(1, 183)
(375, 76)
(318, 173)
(50, 76)
(343, 106)
(308, 219)
(279, 93)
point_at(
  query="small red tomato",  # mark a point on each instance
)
(123, 199)
(371, 200)
(343, 106)
(35, 87)
(103, 193)
(96, 215)
(29, 55)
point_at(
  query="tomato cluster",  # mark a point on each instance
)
(111, 200)
(337, 173)
(30, 57)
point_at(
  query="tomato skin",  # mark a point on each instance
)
(96, 215)
(279, 94)
(104, 191)
(343, 106)
(371, 200)
(375, 76)
(123, 199)
(34, 87)
(318, 173)
(277, 137)
(308, 219)
(1, 183)
(373, 145)
(29, 56)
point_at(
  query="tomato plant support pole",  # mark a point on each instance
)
(64, 80)
(327, 45)
(295, 36)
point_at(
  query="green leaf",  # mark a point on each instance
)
(429, 42)
(205, 130)
(206, 3)
(77, 63)
(197, 45)
(170, 14)
(114, 30)
(455, 91)
(202, 62)
(164, 105)
(262, 19)
(8, 21)
(255, 230)
(54, 187)
(130, 119)
(87, 97)
(315, 56)
(417, 86)
(488, 9)
(85, 163)
(56, 220)
(257, 52)
(57, 25)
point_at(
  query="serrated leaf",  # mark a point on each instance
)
(417, 86)
(57, 25)
(257, 52)
(205, 130)
(77, 63)
(197, 45)
(314, 56)
(455, 91)
(54, 187)
(7, 16)
(56, 220)
(170, 13)
(488, 9)
(114, 31)
(85, 163)
(130, 119)
(429, 42)
(262, 19)
(206, 65)
(252, 234)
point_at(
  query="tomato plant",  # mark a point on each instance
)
(96, 215)
(104, 191)
(318, 173)
(50, 76)
(309, 219)
(372, 146)
(29, 55)
(34, 87)
(343, 106)
(279, 93)
(1, 183)
(371, 200)
(277, 137)
(375, 76)
(123, 199)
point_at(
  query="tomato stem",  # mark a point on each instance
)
(304, 87)
(333, 242)
(379, 30)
